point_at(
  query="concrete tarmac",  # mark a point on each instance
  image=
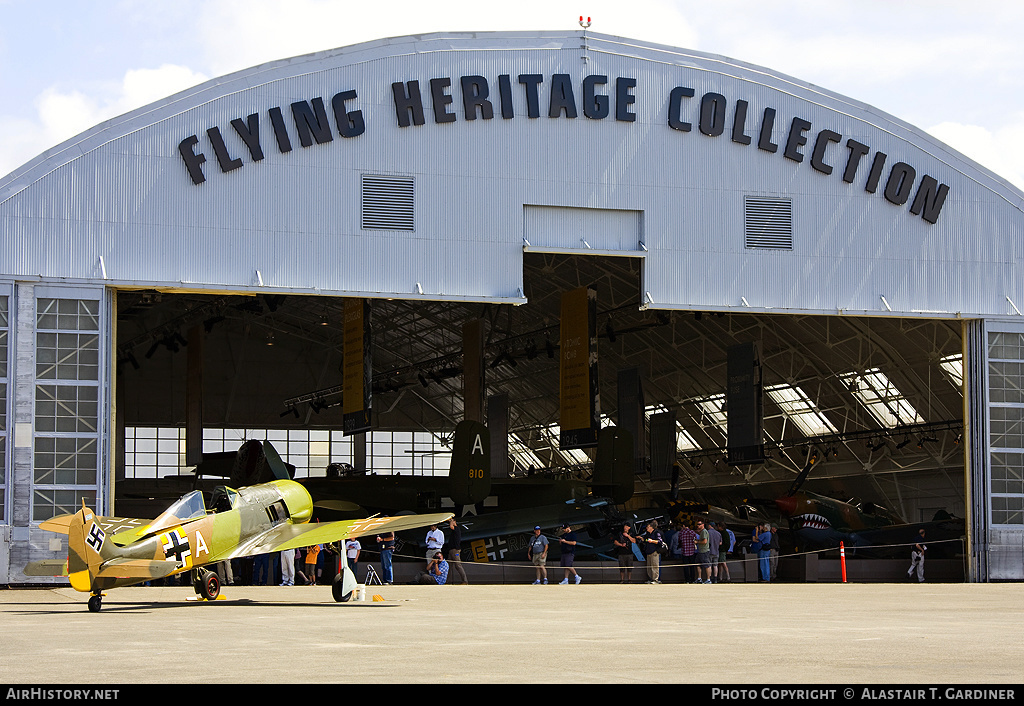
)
(729, 634)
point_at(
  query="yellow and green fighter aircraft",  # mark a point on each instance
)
(108, 552)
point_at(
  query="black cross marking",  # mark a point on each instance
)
(95, 538)
(176, 546)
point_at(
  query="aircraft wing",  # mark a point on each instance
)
(289, 536)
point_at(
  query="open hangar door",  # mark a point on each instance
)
(854, 408)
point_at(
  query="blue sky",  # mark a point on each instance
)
(955, 69)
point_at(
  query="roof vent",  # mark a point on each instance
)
(767, 223)
(387, 203)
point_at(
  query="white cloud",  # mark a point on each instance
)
(63, 114)
(1001, 151)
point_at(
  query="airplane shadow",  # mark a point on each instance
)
(137, 606)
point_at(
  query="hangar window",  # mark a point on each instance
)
(387, 203)
(798, 408)
(1006, 427)
(953, 366)
(881, 398)
(767, 223)
(66, 455)
(713, 408)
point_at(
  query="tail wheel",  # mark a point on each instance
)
(211, 586)
(95, 602)
(337, 589)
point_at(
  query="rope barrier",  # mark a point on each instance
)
(741, 558)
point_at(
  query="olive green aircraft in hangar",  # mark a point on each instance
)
(108, 552)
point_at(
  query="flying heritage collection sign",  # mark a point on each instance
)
(825, 150)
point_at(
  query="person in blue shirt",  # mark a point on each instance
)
(436, 573)
(763, 535)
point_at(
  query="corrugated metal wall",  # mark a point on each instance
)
(290, 221)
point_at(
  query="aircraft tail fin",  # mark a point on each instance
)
(470, 473)
(88, 548)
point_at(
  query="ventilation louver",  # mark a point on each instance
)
(767, 223)
(387, 203)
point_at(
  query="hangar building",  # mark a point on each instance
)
(147, 264)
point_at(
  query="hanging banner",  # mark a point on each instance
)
(631, 413)
(744, 405)
(579, 403)
(357, 367)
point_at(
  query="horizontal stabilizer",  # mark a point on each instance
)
(137, 568)
(57, 524)
(48, 567)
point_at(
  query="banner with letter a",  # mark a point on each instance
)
(579, 402)
(357, 367)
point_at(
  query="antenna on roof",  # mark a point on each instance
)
(584, 25)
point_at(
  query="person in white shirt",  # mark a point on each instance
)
(435, 540)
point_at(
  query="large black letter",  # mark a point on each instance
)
(408, 102)
(312, 123)
(441, 100)
(675, 108)
(764, 141)
(930, 197)
(193, 161)
(595, 105)
(796, 139)
(562, 97)
(284, 144)
(624, 99)
(474, 93)
(712, 114)
(227, 164)
(505, 91)
(876, 172)
(349, 124)
(857, 152)
(900, 182)
(531, 81)
(249, 131)
(818, 154)
(739, 123)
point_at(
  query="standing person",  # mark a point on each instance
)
(567, 543)
(352, 551)
(455, 549)
(714, 546)
(386, 545)
(261, 570)
(624, 542)
(687, 540)
(728, 544)
(703, 556)
(435, 540)
(312, 553)
(652, 541)
(288, 567)
(773, 551)
(763, 536)
(917, 558)
(537, 552)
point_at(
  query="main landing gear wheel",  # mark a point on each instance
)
(95, 602)
(210, 586)
(338, 589)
